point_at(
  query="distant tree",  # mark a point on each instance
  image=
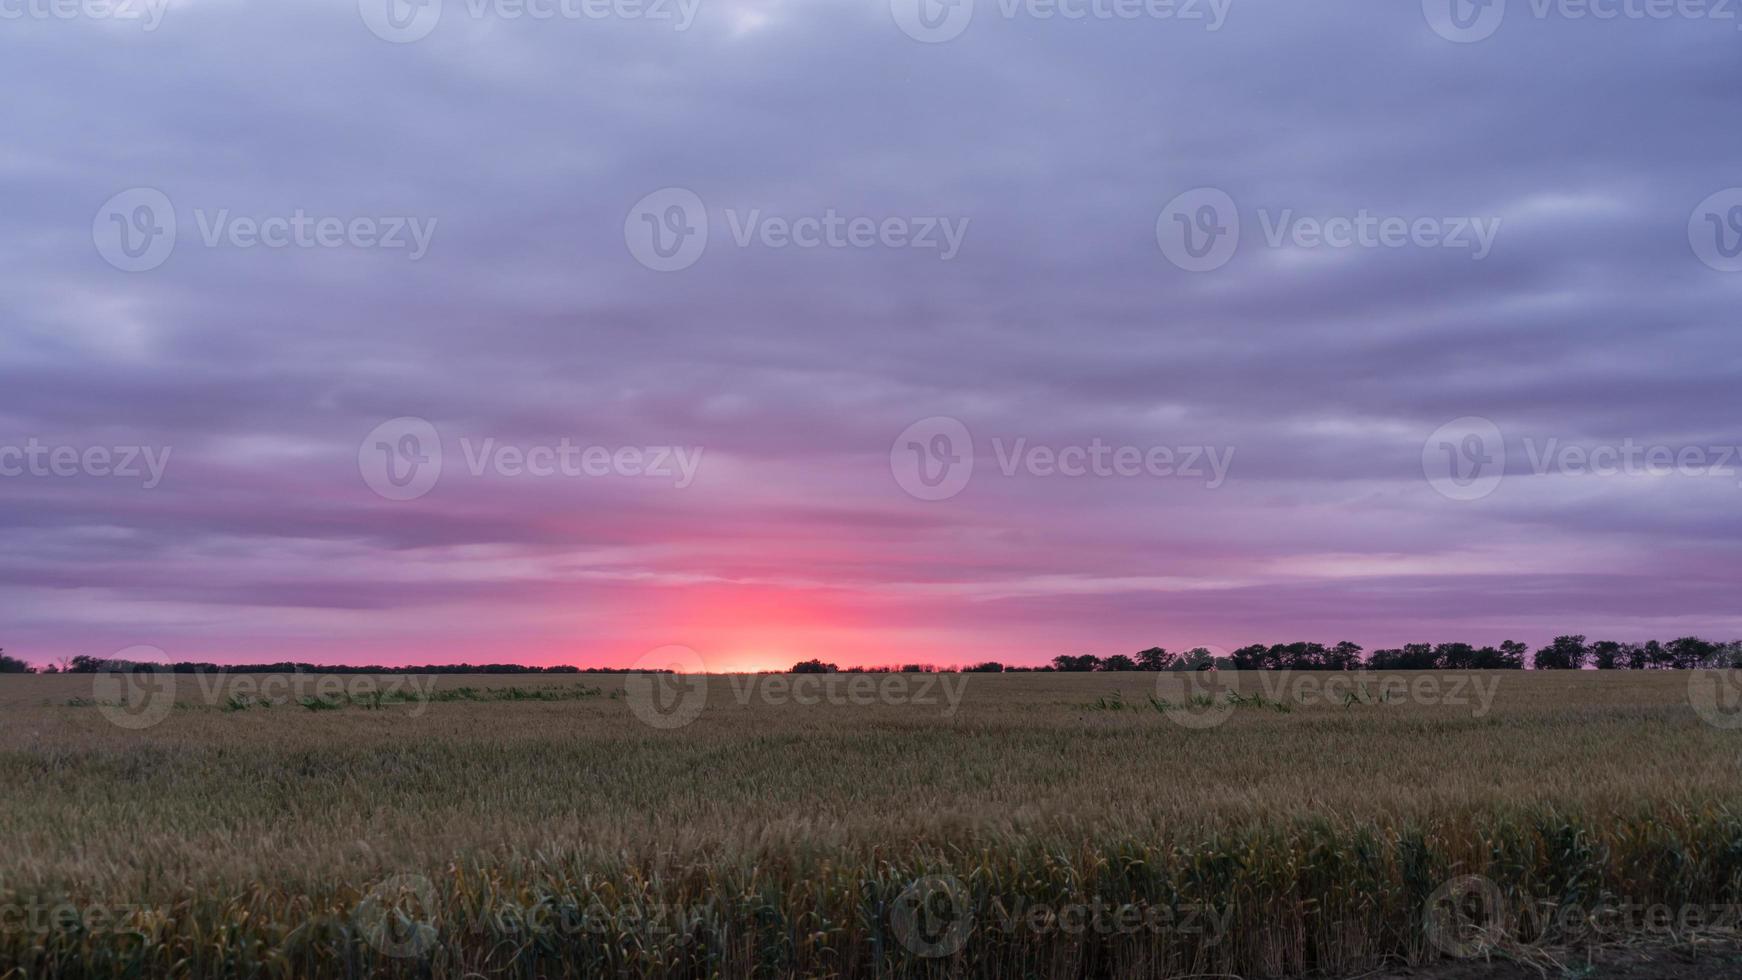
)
(1412, 656)
(814, 667)
(1692, 653)
(1565, 653)
(989, 667)
(1607, 655)
(1292, 656)
(1155, 658)
(1197, 658)
(1420, 656)
(1633, 656)
(1732, 654)
(12, 665)
(1083, 662)
(1512, 654)
(1254, 657)
(1655, 656)
(918, 669)
(1455, 656)
(1343, 656)
(1118, 661)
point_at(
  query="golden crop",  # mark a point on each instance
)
(1057, 824)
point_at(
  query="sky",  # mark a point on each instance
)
(872, 330)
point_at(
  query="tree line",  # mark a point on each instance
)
(1571, 652)
(93, 665)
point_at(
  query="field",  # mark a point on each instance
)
(861, 825)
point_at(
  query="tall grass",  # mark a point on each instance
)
(554, 836)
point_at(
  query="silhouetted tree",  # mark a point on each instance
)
(1254, 657)
(1197, 658)
(1656, 657)
(988, 667)
(1607, 654)
(1512, 654)
(1155, 658)
(1455, 656)
(814, 667)
(1296, 656)
(1083, 662)
(1412, 656)
(1633, 656)
(1691, 652)
(1489, 658)
(12, 665)
(1343, 656)
(1386, 659)
(1565, 653)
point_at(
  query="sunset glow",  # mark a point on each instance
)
(993, 411)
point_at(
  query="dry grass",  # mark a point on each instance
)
(563, 837)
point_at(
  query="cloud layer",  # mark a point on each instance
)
(1055, 147)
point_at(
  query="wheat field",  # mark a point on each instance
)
(1040, 825)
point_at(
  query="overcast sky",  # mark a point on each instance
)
(790, 328)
